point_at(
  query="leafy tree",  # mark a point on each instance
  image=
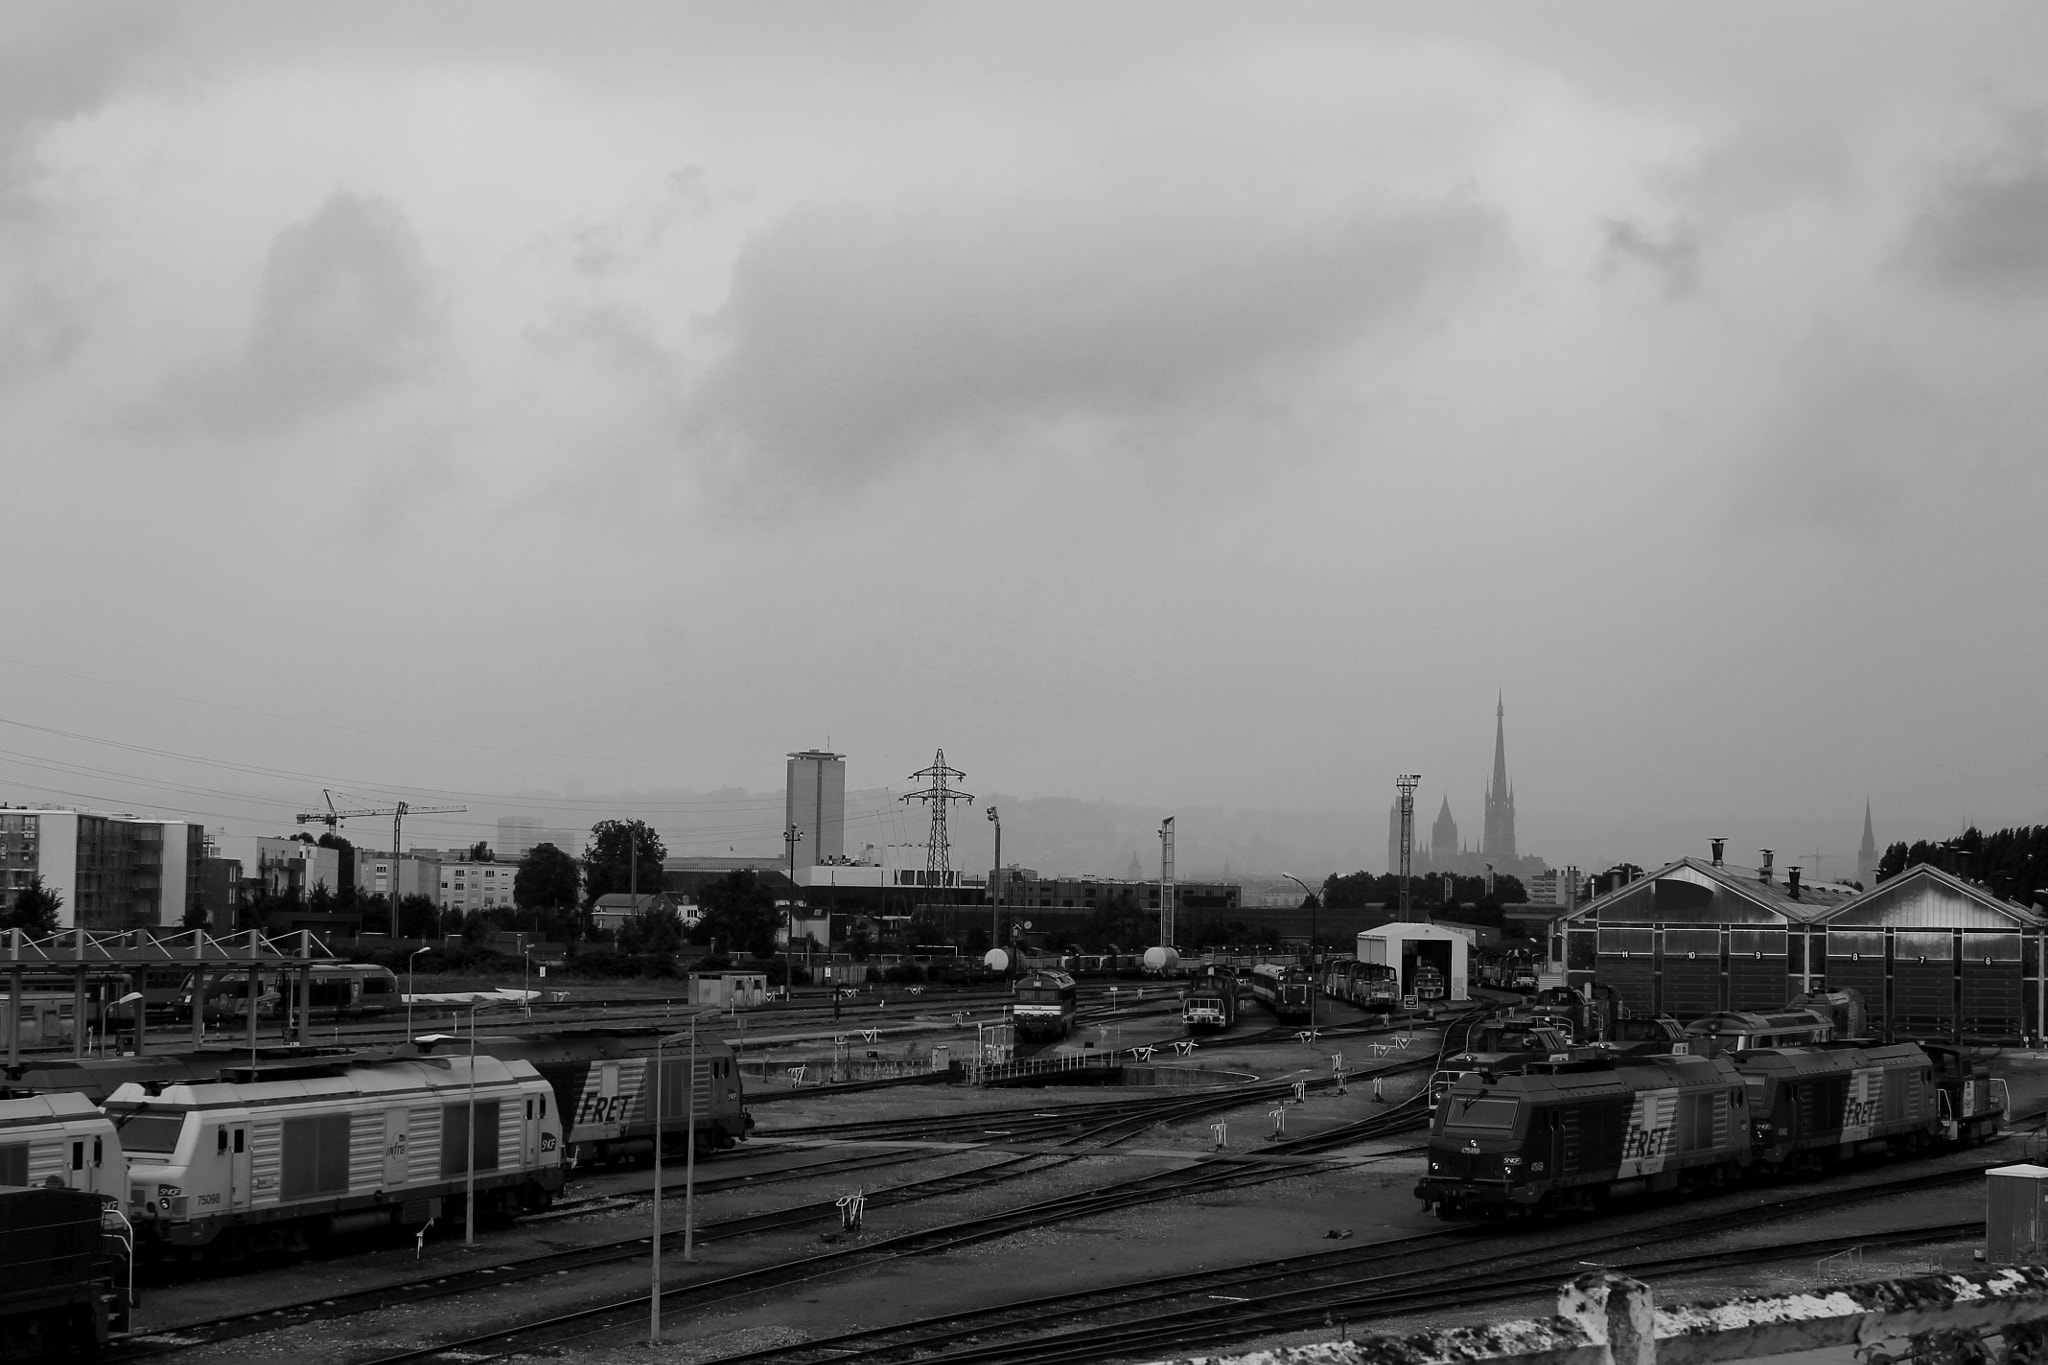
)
(615, 847)
(321, 900)
(418, 917)
(739, 913)
(34, 910)
(196, 916)
(345, 893)
(657, 929)
(480, 852)
(547, 879)
(860, 940)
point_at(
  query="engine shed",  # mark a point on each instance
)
(1937, 957)
(1933, 956)
(1407, 947)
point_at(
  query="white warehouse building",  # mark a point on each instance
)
(1408, 946)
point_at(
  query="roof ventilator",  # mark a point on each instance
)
(1763, 873)
(1792, 882)
(1718, 844)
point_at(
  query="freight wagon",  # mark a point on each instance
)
(271, 1157)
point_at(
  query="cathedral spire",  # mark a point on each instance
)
(1866, 855)
(1499, 790)
(1498, 843)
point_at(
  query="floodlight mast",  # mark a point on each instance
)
(1406, 783)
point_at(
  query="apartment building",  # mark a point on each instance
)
(113, 871)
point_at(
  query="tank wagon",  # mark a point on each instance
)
(270, 1157)
(61, 1139)
(605, 1093)
(1044, 1004)
(1285, 990)
(1209, 1004)
(1574, 1134)
(66, 1287)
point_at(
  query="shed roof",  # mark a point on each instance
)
(1695, 891)
(1925, 897)
(1405, 929)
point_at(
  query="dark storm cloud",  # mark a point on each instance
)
(853, 338)
(1672, 256)
(58, 61)
(1985, 230)
(344, 311)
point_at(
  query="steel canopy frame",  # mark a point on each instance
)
(80, 951)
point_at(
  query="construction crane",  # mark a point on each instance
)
(331, 817)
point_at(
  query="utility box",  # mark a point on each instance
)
(2015, 1214)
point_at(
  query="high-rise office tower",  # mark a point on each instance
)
(814, 806)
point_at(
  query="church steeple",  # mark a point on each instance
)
(1866, 855)
(1498, 844)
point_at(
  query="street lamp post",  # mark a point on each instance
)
(409, 992)
(469, 1155)
(1315, 986)
(689, 1177)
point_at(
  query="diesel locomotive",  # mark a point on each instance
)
(1044, 1004)
(1559, 1135)
(605, 1093)
(265, 1159)
(1285, 990)
(1209, 1004)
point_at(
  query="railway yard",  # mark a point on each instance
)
(1260, 1190)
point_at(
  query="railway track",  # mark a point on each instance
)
(1204, 1309)
(1107, 1131)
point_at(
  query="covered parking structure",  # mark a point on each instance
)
(1933, 956)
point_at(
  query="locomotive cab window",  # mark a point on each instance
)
(151, 1132)
(1482, 1115)
(78, 1156)
(220, 1142)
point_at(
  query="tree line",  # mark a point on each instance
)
(2011, 863)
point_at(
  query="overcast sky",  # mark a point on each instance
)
(1169, 403)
